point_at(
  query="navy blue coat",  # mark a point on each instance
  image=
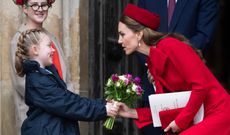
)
(54, 110)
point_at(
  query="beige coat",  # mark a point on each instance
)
(19, 82)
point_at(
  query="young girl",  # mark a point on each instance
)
(53, 110)
(36, 12)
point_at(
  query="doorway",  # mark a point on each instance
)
(107, 57)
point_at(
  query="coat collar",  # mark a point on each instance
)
(156, 63)
(30, 66)
(34, 66)
(157, 59)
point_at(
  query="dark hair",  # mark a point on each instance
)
(151, 37)
(26, 39)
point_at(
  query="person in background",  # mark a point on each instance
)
(174, 66)
(196, 20)
(36, 12)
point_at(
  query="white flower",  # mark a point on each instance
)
(128, 90)
(134, 87)
(122, 77)
(118, 84)
(109, 82)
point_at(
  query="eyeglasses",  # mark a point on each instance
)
(36, 7)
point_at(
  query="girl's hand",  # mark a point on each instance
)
(173, 127)
(112, 108)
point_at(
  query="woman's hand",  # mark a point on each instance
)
(173, 127)
(126, 112)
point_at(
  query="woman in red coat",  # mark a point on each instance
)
(174, 66)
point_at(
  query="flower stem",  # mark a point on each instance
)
(108, 124)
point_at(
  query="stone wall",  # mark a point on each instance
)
(63, 20)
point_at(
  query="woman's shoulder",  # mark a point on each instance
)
(17, 33)
(165, 47)
(170, 44)
(168, 41)
(51, 35)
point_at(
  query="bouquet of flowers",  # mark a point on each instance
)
(123, 88)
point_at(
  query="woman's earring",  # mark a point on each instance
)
(139, 43)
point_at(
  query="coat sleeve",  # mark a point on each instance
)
(47, 95)
(194, 72)
(144, 117)
(206, 23)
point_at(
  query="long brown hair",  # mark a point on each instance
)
(26, 39)
(151, 37)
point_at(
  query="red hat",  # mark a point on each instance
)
(147, 18)
(20, 2)
(50, 1)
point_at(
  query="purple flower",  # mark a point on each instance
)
(139, 90)
(115, 77)
(137, 80)
(129, 76)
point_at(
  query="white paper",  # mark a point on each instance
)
(166, 101)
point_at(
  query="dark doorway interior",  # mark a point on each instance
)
(218, 54)
(106, 57)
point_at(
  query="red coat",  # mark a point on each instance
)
(175, 66)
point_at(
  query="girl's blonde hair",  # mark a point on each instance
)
(26, 39)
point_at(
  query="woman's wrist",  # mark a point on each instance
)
(133, 114)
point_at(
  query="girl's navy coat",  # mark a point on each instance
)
(53, 110)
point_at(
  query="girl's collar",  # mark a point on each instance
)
(34, 66)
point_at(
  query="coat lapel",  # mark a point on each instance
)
(156, 64)
(177, 13)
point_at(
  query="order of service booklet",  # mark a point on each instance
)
(167, 101)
